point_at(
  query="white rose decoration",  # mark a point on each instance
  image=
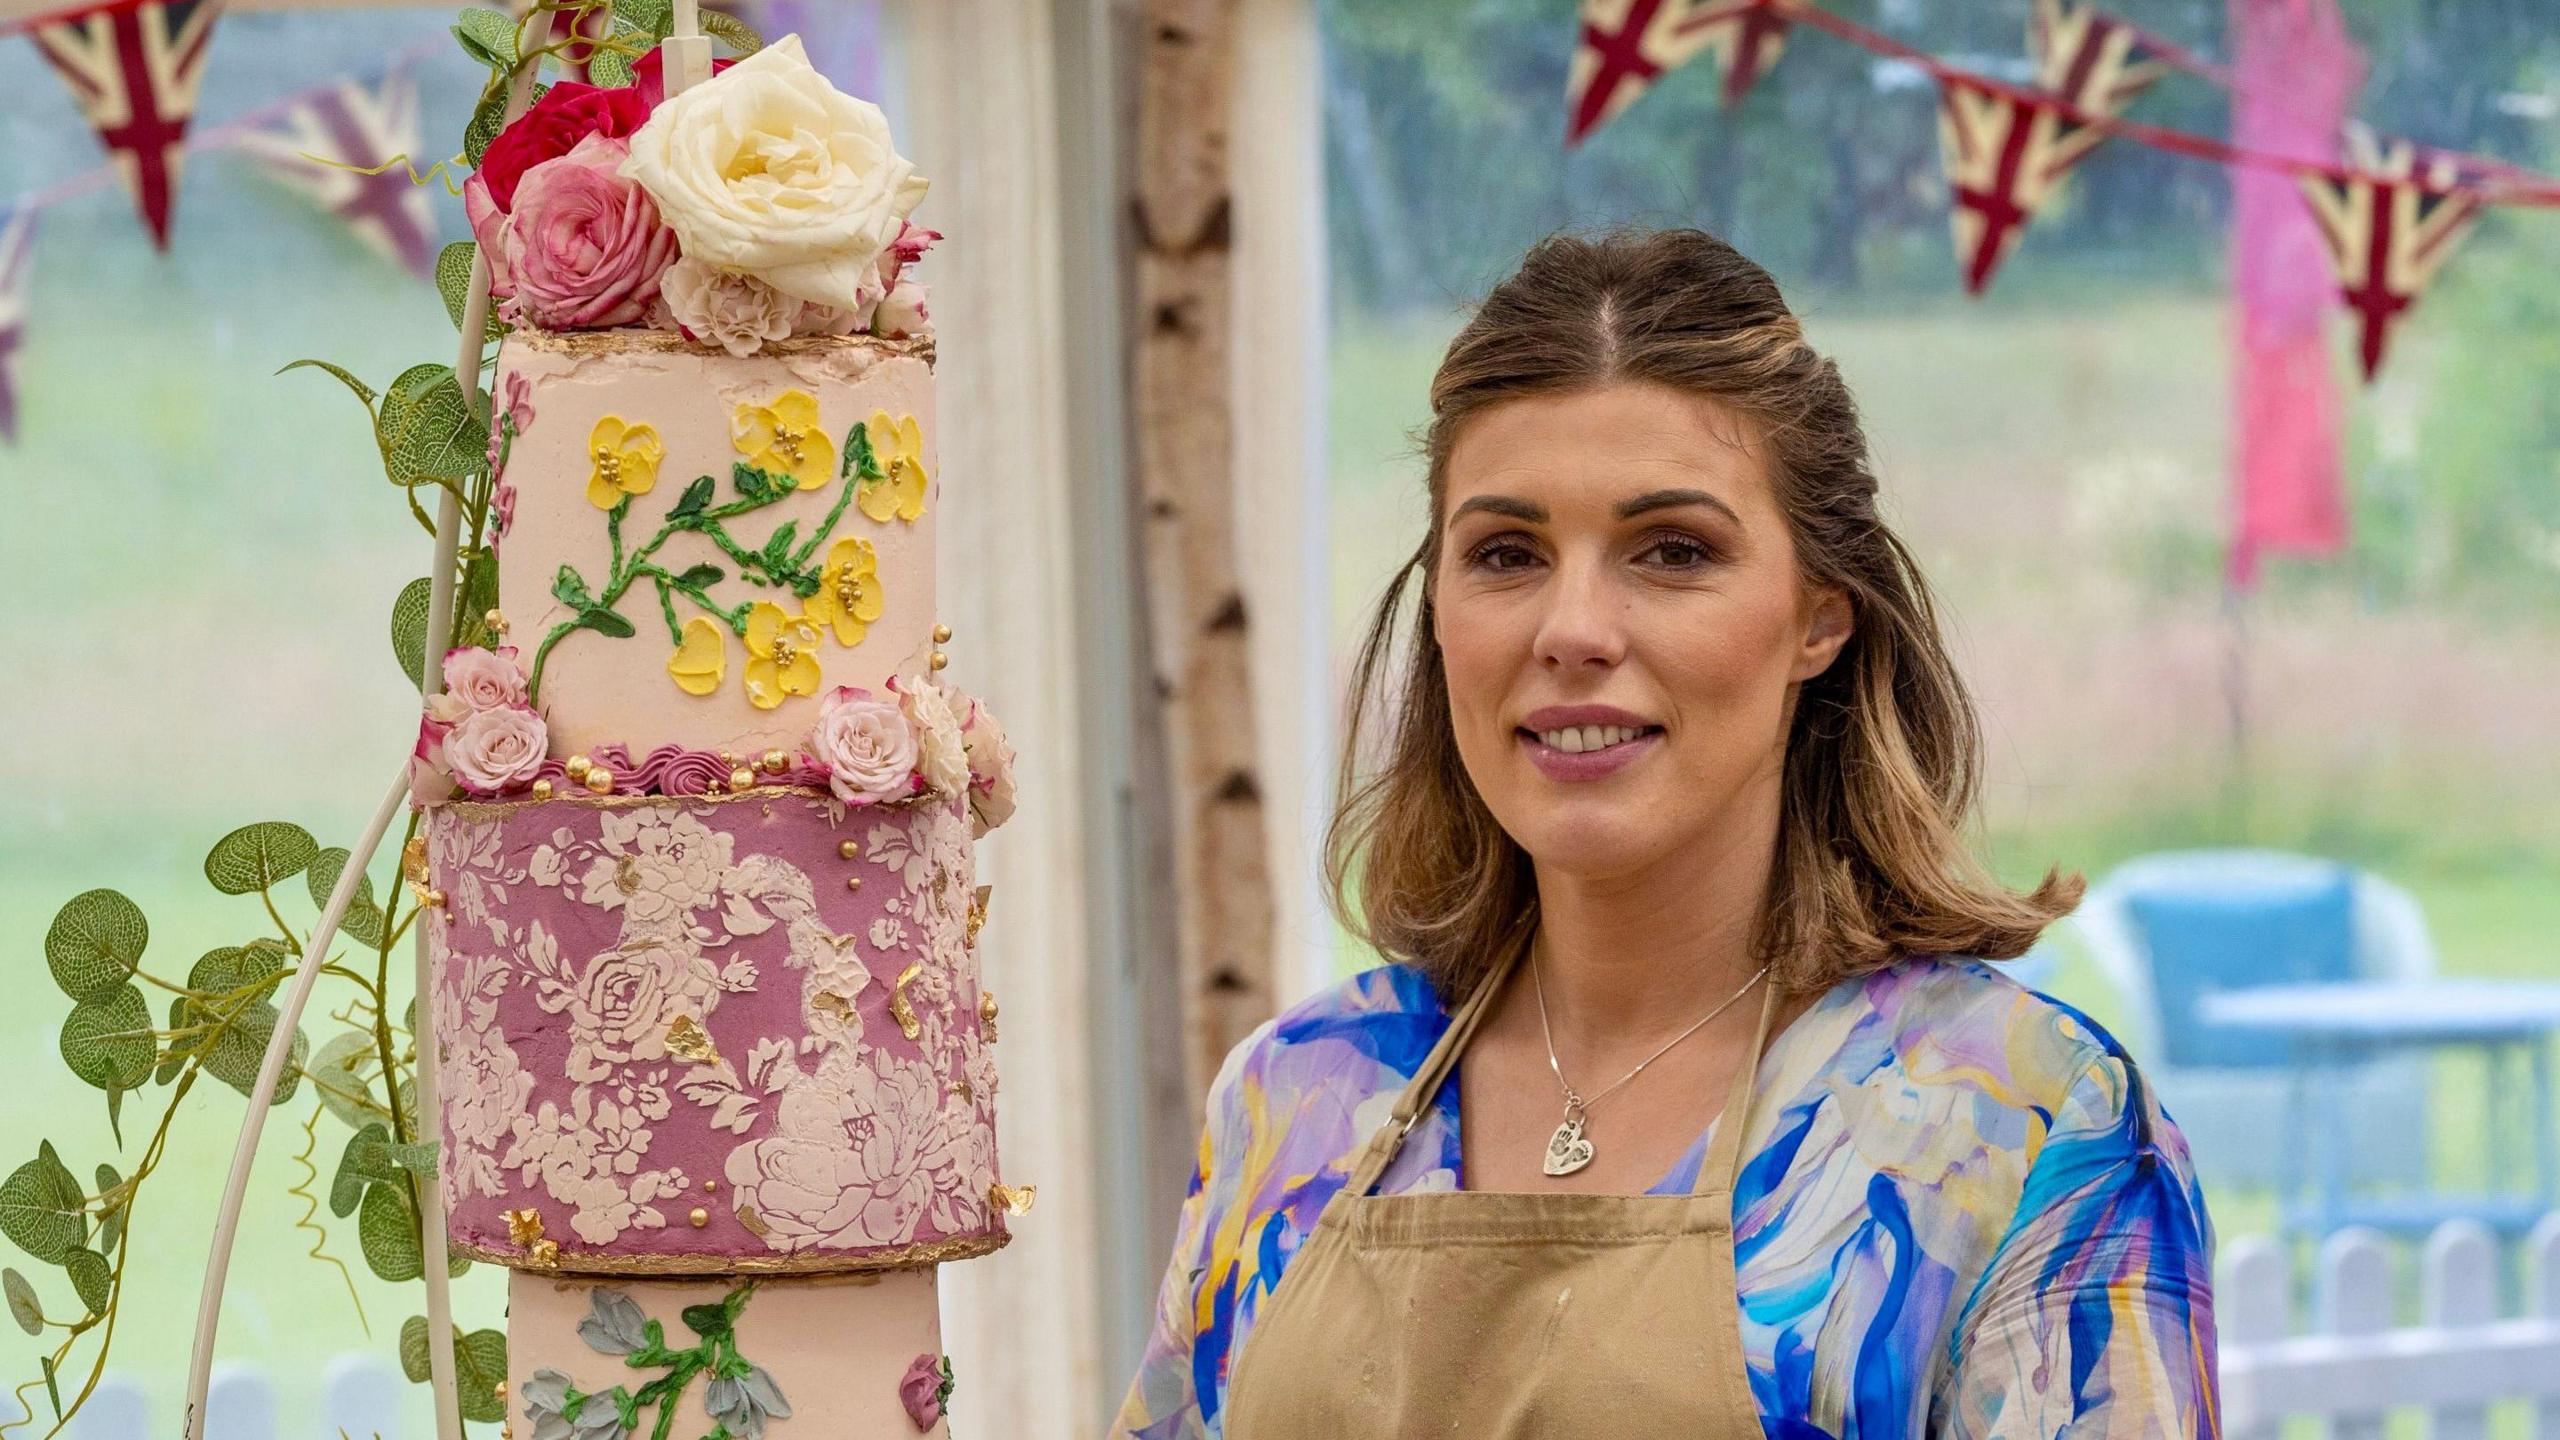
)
(492, 751)
(734, 311)
(991, 791)
(768, 169)
(944, 764)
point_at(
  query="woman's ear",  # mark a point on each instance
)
(1827, 628)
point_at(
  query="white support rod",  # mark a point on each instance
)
(244, 1154)
(430, 1198)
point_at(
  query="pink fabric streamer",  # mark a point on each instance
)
(2296, 76)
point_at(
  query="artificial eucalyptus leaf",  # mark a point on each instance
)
(480, 1374)
(338, 1072)
(92, 1279)
(441, 441)
(109, 1043)
(240, 1051)
(363, 920)
(409, 627)
(413, 1349)
(346, 1189)
(388, 1233)
(362, 391)
(731, 30)
(96, 940)
(40, 1209)
(23, 1307)
(233, 977)
(487, 36)
(174, 1059)
(111, 1217)
(255, 857)
(654, 18)
(609, 68)
(399, 397)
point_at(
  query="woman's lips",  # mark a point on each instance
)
(1558, 764)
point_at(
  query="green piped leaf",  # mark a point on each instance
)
(254, 857)
(95, 942)
(109, 1043)
(607, 622)
(697, 497)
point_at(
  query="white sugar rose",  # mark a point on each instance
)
(734, 311)
(768, 169)
(991, 796)
(866, 745)
(944, 764)
(902, 311)
(493, 751)
(483, 679)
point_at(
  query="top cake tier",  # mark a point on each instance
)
(694, 546)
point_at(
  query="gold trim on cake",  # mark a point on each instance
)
(583, 343)
(572, 1263)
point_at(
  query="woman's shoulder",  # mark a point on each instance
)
(1370, 1029)
(1954, 1021)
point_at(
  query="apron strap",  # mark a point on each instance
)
(1722, 1165)
(1419, 1092)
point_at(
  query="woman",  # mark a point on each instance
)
(1758, 1139)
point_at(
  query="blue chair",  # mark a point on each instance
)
(2168, 929)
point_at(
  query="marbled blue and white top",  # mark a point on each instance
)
(1963, 1213)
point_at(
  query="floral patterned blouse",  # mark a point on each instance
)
(1964, 1213)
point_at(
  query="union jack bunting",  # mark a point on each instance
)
(17, 250)
(1626, 45)
(133, 67)
(328, 140)
(2389, 226)
(2008, 152)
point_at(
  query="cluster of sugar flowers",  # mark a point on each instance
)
(877, 749)
(761, 204)
(478, 736)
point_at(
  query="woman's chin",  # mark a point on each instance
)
(1595, 837)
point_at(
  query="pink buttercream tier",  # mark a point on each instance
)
(653, 1008)
(835, 1347)
(597, 688)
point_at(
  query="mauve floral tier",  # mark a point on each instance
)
(723, 1034)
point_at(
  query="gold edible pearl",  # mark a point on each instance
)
(577, 766)
(700, 1217)
(742, 778)
(541, 789)
(848, 849)
(496, 622)
(775, 762)
(941, 634)
(853, 882)
(938, 660)
(600, 780)
(709, 1186)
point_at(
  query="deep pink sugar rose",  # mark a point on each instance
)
(921, 1390)
(585, 247)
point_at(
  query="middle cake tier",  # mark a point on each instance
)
(715, 1034)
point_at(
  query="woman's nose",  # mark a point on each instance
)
(1584, 622)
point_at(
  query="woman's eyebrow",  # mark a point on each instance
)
(1513, 506)
(1668, 499)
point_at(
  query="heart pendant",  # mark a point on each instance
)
(1568, 1150)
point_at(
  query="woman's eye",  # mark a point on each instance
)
(1677, 552)
(1501, 555)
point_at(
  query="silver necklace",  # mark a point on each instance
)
(1569, 1149)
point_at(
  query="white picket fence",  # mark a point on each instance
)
(2348, 1364)
(2352, 1366)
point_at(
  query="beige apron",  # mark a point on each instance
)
(1482, 1314)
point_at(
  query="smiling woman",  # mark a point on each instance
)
(1675, 727)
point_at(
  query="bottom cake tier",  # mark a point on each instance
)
(844, 1357)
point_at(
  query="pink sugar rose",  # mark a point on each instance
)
(430, 783)
(865, 745)
(902, 311)
(584, 247)
(489, 226)
(920, 1390)
(494, 751)
(484, 679)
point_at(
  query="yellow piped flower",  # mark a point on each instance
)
(899, 447)
(848, 595)
(699, 662)
(622, 460)
(784, 438)
(782, 655)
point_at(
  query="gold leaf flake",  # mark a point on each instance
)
(687, 1040)
(834, 1006)
(978, 912)
(413, 859)
(1010, 1199)
(961, 1088)
(901, 1011)
(524, 1226)
(544, 1254)
(754, 1222)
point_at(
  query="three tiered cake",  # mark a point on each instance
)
(715, 1064)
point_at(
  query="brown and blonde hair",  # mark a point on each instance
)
(1883, 753)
